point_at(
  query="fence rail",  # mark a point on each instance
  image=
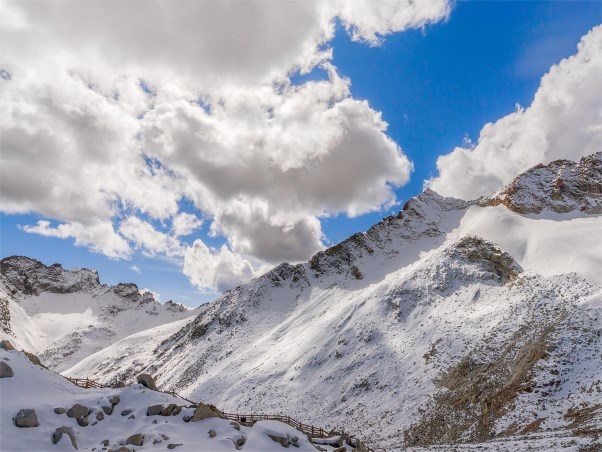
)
(249, 419)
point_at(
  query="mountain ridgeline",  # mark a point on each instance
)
(452, 322)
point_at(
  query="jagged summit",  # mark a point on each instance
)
(64, 315)
(561, 186)
(30, 277)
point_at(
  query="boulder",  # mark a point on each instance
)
(78, 411)
(169, 409)
(148, 381)
(26, 418)
(204, 411)
(239, 442)
(100, 416)
(5, 370)
(108, 410)
(154, 410)
(283, 440)
(115, 400)
(59, 432)
(187, 418)
(212, 433)
(82, 421)
(173, 446)
(6, 345)
(235, 425)
(59, 410)
(177, 410)
(126, 412)
(121, 449)
(135, 440)
(105, 443)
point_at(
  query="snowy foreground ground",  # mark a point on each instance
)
(33, 387)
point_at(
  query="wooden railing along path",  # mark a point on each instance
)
(249, 419)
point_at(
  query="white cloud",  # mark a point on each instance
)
(98, 236)
(184, 224)
(216, 269)
(369, 20)
(148, 239)
(84, 144)
(135, 269)
(564, 121)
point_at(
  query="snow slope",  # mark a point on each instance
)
(452, 322)
(66, 315)
(33, 387)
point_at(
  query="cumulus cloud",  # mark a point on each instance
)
(563, 121)
(135, 269)
(148, 239)
(369, 20)
(98, 236)
(184, 224)
(113, 112)
(216, 269)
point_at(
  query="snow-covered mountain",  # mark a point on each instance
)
(65, 316)
(452, 322)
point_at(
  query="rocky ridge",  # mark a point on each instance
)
(64, 315)
(562, 186)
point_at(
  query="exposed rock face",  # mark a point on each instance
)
(5, 370)
(26, 418)
(34, 359)
(148, 381)
(59, 432)
(562, 186)
(490, 258)
(30, 277)
(128, 291)
(5, 317)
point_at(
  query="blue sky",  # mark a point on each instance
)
(435, 87)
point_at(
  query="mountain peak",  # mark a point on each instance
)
(30, 276)
(562, 186)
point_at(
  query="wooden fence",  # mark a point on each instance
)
(249, 419)
(86, 383)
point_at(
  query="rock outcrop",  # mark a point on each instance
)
(561, 186)
(30, 277)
